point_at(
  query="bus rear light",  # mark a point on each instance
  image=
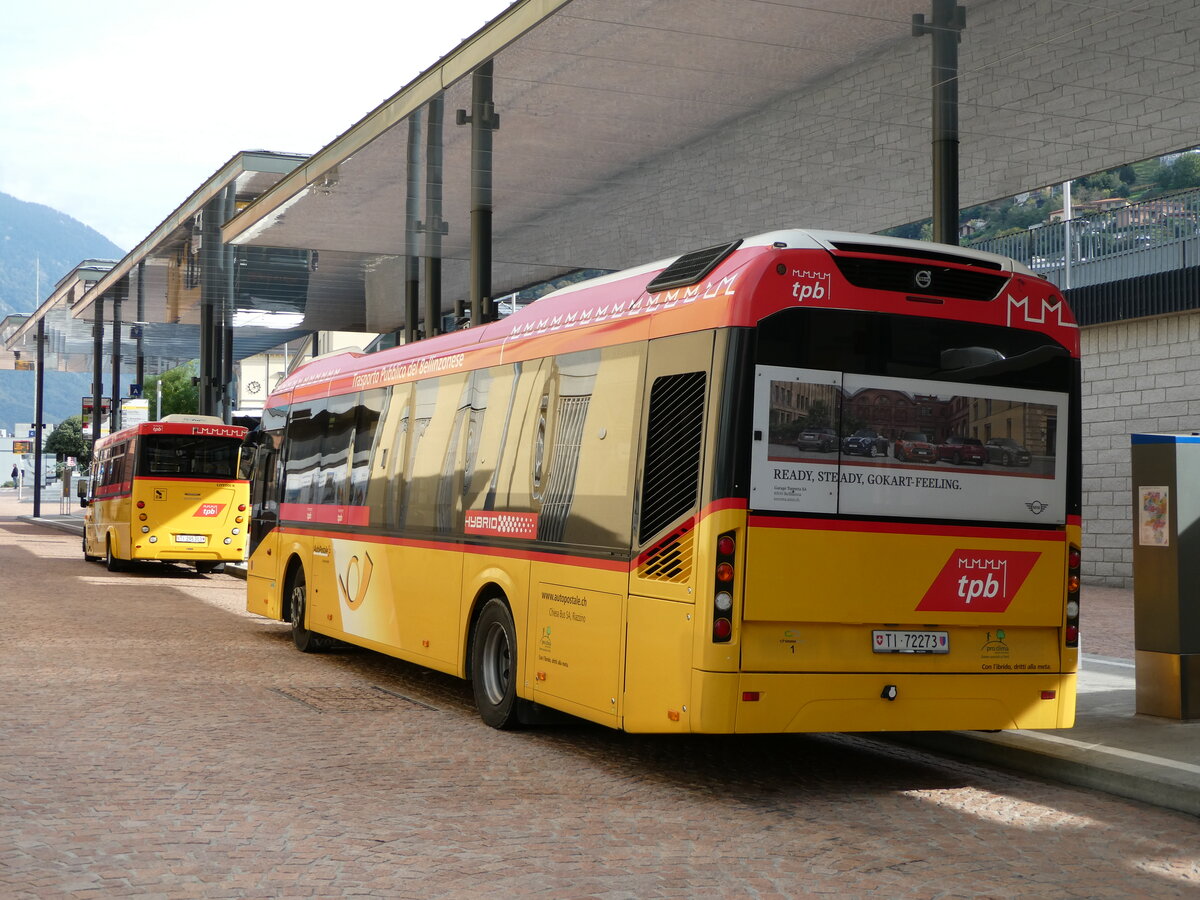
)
(141, 504)
(1071, 629)
(1049, 695)
(723, 578)
(750, 696)
(241, 507)
(238, 519)
(153, 539)
(145, 529)
(673, 715)
(228, 540)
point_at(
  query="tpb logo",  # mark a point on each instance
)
(810, 285)
(209, 510)
(979, 581)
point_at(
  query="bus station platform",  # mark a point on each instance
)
(1111, 748)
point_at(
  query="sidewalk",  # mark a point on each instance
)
(1110, 749)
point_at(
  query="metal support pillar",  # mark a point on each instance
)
(211, 287)
(97, 366)
(114, 415)
(434, 226)
(38, 402)
(140, 366)
(946, 26)
(483, 120)
(412, 208)
(227, 303)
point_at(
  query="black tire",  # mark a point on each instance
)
(297, 600)
(87, 556)
(494, 665)
(111, 560)
(957, 458)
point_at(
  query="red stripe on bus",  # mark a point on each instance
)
(965, 531)
(611, 565)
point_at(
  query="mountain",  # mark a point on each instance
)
(34, 237)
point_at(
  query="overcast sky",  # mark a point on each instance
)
(114, 113)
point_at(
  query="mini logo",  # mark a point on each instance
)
(923, 278)
(978, 581)
(1037, 507)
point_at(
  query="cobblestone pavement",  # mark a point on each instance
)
(157, 741)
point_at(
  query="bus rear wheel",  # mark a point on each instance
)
(494, 665)
(111, 560)
(205, 567)
(297, 598)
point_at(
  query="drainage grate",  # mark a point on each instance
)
(350, 698)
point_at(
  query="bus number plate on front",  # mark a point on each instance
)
(190, 539)
(910, 641)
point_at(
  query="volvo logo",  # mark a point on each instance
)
(923, 278)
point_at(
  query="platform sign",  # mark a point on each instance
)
(105, 409)
(22, 447)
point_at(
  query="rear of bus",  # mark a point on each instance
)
(188, 502)
(895, 591)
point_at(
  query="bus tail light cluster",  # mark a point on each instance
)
(722, 631)
(1074, 560)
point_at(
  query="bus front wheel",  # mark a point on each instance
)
(494, 665)
(306, 641)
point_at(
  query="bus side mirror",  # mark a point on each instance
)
(83, 501)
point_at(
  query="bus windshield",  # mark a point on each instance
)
(929, 386)
(188, 456)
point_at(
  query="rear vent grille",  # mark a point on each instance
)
(671, 560)
(691, 267)
(917, 253)
(924, 279)
(671, 481)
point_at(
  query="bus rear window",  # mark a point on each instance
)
(188, 456)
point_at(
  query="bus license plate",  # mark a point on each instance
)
(910, 641)
(190, 539)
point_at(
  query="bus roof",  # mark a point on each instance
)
(629, 306)
(183, 425)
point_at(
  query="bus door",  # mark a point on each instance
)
(263, 594)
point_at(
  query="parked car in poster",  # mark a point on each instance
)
(822, 439)
(914, 446)
(1007, 452)
(865, 442)
(961, 450)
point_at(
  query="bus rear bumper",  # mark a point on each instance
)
(828, 702)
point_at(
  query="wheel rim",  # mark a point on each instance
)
(497, 659)
(296, 605)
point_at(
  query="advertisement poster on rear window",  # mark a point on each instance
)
(831, 442)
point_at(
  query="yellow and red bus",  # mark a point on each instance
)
(168, 491)
(689, 497)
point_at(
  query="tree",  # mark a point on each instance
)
(180, 396)
(68, 440)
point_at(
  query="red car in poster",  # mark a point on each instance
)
(962, 449)
(914, 446)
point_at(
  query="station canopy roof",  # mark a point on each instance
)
(631, 130)
(165, 269)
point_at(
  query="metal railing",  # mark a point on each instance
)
(1139, 239)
